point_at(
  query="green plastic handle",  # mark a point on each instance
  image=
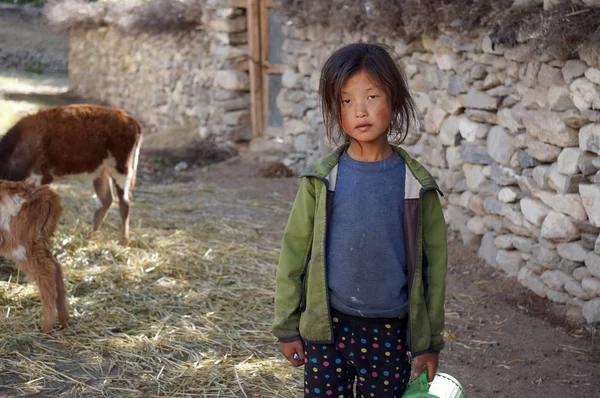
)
(423, 379)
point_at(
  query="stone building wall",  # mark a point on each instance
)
(190, 79)
(28, 43)
(513, 141)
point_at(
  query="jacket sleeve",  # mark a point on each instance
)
(295, 248)
(435, 247)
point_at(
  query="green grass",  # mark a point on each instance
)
(7, 116)
(35, 3)
(11, 111)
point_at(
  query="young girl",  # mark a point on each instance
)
(362, 269)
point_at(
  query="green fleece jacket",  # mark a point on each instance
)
(302, 308)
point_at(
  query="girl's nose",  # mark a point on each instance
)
(361, 110)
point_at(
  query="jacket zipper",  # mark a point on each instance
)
(302, 305)
(409, 332)
(326, 183)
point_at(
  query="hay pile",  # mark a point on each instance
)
(184, 311)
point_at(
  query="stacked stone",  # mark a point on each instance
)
(28, 43)
(192, 79)
(34, 61)
(305, 50)
(514, 142)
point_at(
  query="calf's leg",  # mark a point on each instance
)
(102, 186)
(124, 206)
(40, 269)
(61, 294)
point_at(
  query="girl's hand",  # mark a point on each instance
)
(429, 360)
(289, 349)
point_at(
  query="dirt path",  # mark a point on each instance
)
(504, 341)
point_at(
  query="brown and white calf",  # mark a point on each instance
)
(28, 217)
(77, 142)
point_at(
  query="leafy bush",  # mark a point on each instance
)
(35, 3)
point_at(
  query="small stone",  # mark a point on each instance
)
(589, 138)
(555, 279)
(572, 251)
(559, 98)
(499, 145)
(558, 227)
(573, 69)
(508, 194)
(232, 80)
(584, 94)
(487, 251)
(509, 261)
(568, 160)
(534, 211)
(434, 119)
(590, 197)
(581, 273)
(549, 128)
(476, 154)
(591, 286)
(591, 310)
(471, 131)
(574, 288)
(593, 75)
(181, 166)
(480, 100)
(528, 279)
(450, 132)
(478, 115)
(545, 153)
(478, 72)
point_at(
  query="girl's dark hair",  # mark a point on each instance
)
(376, 60)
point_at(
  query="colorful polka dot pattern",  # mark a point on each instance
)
(373, 355)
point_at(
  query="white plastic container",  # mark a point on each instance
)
(446, 386)
(442, 386)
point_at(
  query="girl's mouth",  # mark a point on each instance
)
(363, 127)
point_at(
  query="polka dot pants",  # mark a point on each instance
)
(371, 352)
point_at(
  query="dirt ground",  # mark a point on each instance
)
(503, 341)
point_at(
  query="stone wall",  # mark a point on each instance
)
(28, 43)
(514, 143)
(190, 79)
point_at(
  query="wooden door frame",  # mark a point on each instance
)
(259, 68)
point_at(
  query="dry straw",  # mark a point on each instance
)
(569, 26)
(184, 311)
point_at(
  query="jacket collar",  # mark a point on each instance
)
(325, 168)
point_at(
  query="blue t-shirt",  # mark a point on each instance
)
(366, 257)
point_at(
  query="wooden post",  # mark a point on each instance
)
(264, 40)
(255, 60)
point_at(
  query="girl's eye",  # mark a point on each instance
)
(372, 96)
(345, 101)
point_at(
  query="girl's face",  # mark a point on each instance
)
(366, 111)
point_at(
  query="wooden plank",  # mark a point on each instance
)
(255, 67)
(264, 43)
(275, 68)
